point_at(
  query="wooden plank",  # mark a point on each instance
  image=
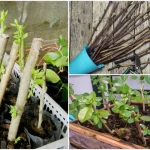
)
(81, 26)
(103, 137)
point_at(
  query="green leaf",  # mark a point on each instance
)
(99, 125)
(17, 140)
(85, 114)
(134, 77)
(127, 113)
(143, 126)
(75, 114)
(115, 109)
(147, 79)
(13, 111)
(38, 81)
(62, 61)
(125, 88)
(142, 77)
(25, 35)
(119, 103)
(74, 104)
(145, 132)
(98, 99)
(51, 76)
(113, 89)
(145, 118)
(40, 74)
(96, 119)
(104, 113)
(52, 56)
(62, 41)
(124, 77)
(64, 51)
(104, 80)
(91, 96)
(131, 120)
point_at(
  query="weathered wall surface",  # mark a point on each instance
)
(42, 19)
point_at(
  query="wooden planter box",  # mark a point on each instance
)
(91, 139)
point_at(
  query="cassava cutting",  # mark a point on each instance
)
(111, 45)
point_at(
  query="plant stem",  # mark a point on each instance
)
(71, 97)
(106, 102)
(99, 22)
(24, 87)
(143, 99)
(139, 130)
(3, 42)
(107, 128)
(44, 89)
(22, 54)
(10, 65)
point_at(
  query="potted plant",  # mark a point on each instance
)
(121, 124)
(18, 96)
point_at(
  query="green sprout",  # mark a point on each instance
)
(2, 69)
(17, 139)
(3, 16)
(146, 131)
(13, 111)
(60, 57)
(19, 37)
(37, 79)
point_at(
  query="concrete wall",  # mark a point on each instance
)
(43, 19)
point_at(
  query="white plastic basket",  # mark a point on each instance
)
(51, 106)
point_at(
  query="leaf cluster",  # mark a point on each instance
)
(3, 16)
(60, 57)
(83, 108)
(120, 94)
(19, 35)
(13, 111)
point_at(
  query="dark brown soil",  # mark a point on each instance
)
(124, 130)
(31, 123)
(4, 144)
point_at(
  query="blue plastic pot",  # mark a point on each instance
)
(71, 118)
(83, 64)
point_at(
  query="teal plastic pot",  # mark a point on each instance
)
(83, 64)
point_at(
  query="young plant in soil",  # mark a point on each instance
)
(144, 94)
(59, 60)
(122, 106)
(44, 89)
(83, 108)
(39, 77)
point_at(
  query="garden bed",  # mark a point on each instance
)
(126, 135)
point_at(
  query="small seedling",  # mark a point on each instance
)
(17, 139)
(37, 79)
(83, 108)
(2, 21)
(60, 57)
(19, 37)
(13, 111)
(146, 131)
